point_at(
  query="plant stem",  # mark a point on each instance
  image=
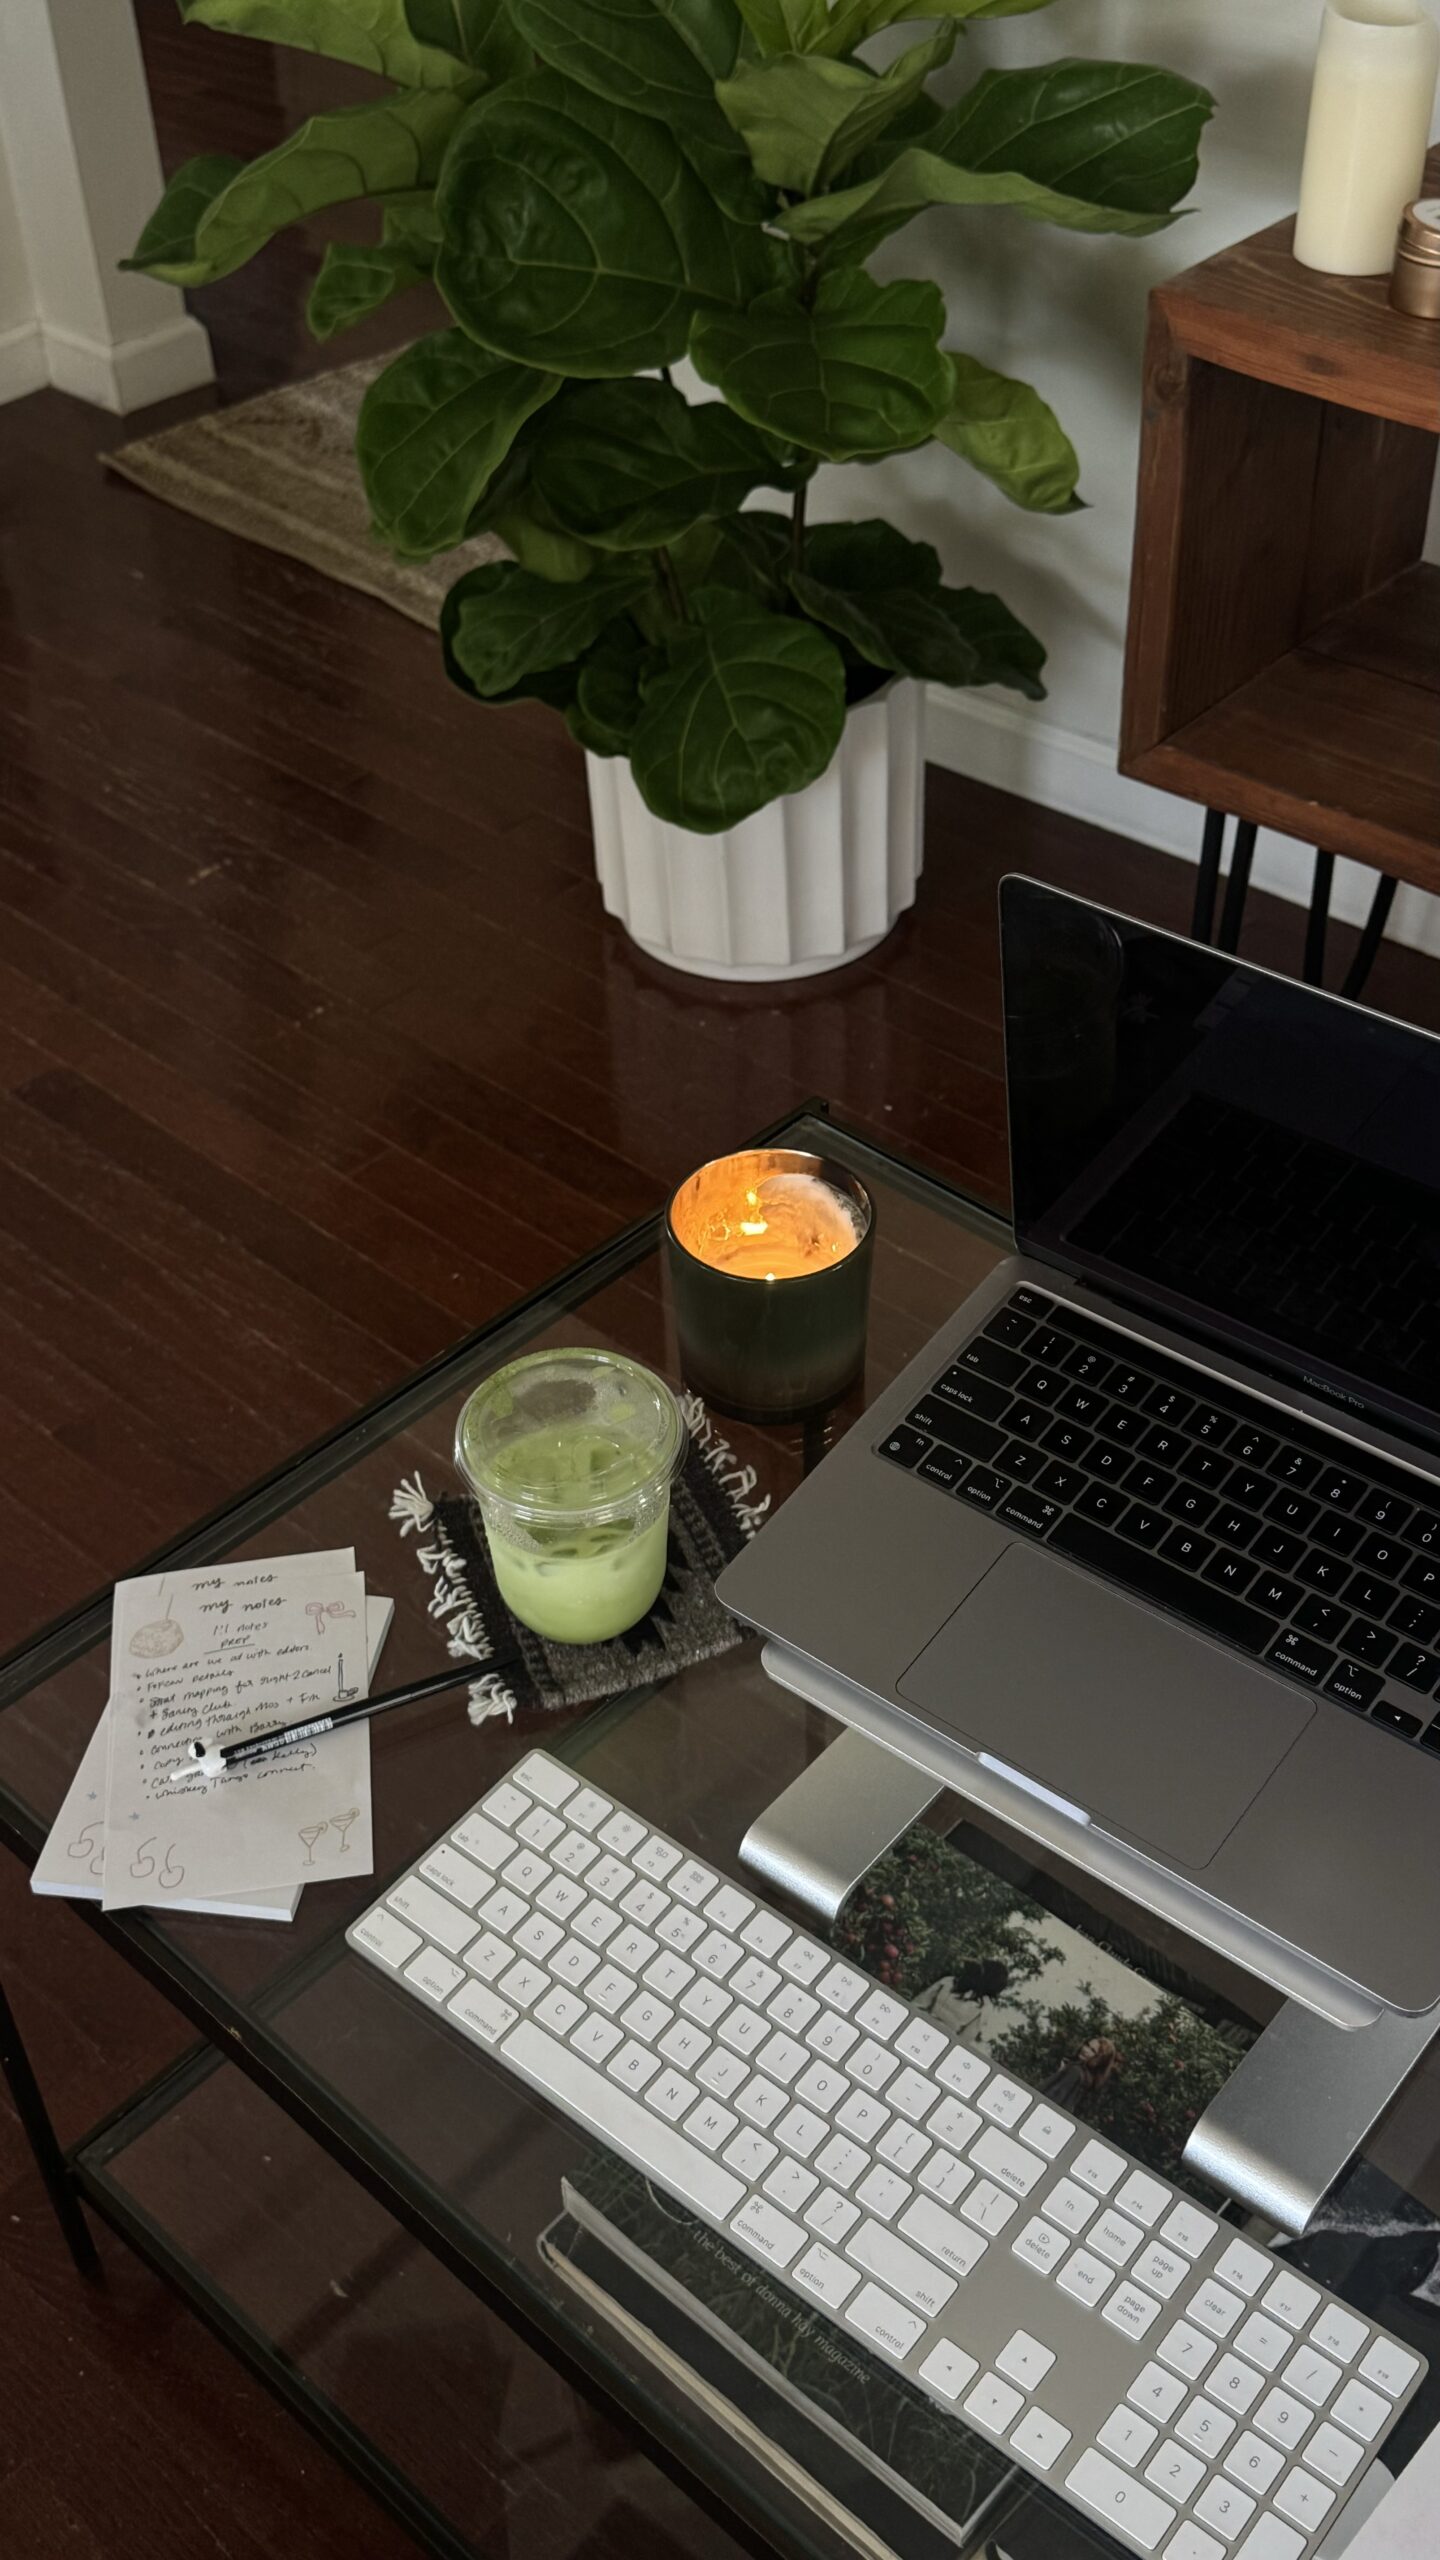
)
(797, 528)
(670, 586)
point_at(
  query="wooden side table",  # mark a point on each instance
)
(1283, 657)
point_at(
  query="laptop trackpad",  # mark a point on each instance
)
(1154, 1732)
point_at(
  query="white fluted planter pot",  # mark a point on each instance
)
(811, 882)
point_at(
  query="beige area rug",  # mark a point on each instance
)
(281, 470)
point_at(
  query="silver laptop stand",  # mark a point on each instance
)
(1292, 2113)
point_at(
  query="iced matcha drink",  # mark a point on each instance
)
(570, 1455)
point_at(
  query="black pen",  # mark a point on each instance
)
(210, 1760)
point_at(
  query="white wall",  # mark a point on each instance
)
(1068, 313)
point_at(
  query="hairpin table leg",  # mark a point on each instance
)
(1236, 886)
(1212, 845)
(1370, 939)
(1313, 965)
(45, 2150)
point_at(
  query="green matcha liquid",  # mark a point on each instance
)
(577, 1581)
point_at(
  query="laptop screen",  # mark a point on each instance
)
(1249, 1159)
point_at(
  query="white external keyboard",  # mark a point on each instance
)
(1170, 2378)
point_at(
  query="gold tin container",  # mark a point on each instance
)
(1415, 276)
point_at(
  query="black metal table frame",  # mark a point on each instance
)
(232, 2035)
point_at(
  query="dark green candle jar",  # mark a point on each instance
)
(769, 1257)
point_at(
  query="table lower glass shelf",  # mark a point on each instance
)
(479, 2446)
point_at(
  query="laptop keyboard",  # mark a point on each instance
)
(1255, 1529)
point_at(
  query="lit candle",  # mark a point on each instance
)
(769, 1262)
(1369, 124)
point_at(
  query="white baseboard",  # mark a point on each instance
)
(1038, 760)
(134, 373)
(22, 361)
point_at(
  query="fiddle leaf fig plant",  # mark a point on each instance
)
(604, 189)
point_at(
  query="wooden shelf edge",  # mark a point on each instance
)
(1171, 766)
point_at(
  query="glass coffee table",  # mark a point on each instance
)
(349, 2192)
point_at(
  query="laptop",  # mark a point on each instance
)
(1146, 1541)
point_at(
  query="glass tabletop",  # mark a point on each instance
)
(465, 2156)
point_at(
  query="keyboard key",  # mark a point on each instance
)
(1205, 2427)
(1353, 1685)
(1174, 2472)
(993, 2404)
(1424, 1531)
(944, 1467)
(1304, 2499)
(911, 2278)
(1338, 2333)
(1028, 1511)
(770, 2233)
(1086, 2277)
(1311, 2375)
(1120, 2501)
(905, 1446)
(984, 1489)
(1415, 1668)
(1391, 2368)
(1282, 2420)
(1418, 1619)
(1128, 2436)
(1325, 1619)
(1041, 2246)
(1382, 1555)
(1332, 2454)
(1131, 2310)
(1263, 2342)
(1300, 1658)
(1253, 1448)
(1156, 2392)
(1065, 1438)
(1006, 2161)
(1360, 2409)
(1229, 1571)
(1381, 1510)
(1293, 1466)
(1290, 1510)
(1191, 1504)
(1336, 1534)
(1278, 1549)
(1186, 2350)
(989, 1358)
(1322, 1573)
(1115, 2238)
(1103, 1502)
(1244, 1486)
(1059, 1484)
(825, 2275)
(1399, 1719)
(948, 2370)
(1226, 2506)
(887, 2323)
(1185, 1547)
(946, 2240)
(1187, 2228)
(436, 1917)
(961, 1387)
(1040, 2439)
(962, 1434)
(1289, 2298)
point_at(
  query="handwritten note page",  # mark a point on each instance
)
(72, 1861)
(215, 1655)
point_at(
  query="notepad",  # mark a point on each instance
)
(73, 1860)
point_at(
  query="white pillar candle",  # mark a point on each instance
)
(1369, 125)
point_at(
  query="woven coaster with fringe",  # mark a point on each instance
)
(715, 1506)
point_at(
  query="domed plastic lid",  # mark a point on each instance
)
(569, 1435)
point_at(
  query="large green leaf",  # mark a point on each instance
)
(577, 235)
(388, 148)
(434, 428)
(478, 34)
(1007, 431)
(374, 33)
(607, 692)
(1091, 146)
(503, 626)
(746, 706)
(661, 56)
(854, 373)
(628, 465)
(785, 26)
(881, 593)
(166, 247)
(356, 280)
(1006, 652)
(805, 118)
(853, 20)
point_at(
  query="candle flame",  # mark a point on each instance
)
(775, 1228)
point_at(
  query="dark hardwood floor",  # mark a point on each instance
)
(315, 1049)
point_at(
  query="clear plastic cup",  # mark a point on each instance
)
(571, 1456)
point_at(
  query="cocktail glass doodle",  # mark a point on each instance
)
(310, 1833)
(320, 1610)
(341, 1822)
